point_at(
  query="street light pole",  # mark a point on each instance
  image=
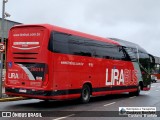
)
(2, 40)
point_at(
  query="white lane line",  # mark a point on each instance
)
(132, 97)
(152, 86)
(157, 90)
(110, 104)
(147, 93)
(60, 118)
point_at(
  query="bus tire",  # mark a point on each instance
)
(85, 94)
(136, 93)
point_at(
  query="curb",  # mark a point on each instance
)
(12, 99)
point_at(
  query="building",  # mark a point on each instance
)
(7, 25)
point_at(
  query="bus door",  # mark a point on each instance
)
(146, 63)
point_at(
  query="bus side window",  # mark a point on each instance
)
(58, 42)
(77, 46)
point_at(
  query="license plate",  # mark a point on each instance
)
(22, 90)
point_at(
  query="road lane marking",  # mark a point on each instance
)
(60, 118)
(152, 86)
(110, 104)
(132, 97)
(157, 90)
(147, 93)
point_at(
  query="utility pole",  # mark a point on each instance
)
(4, 14)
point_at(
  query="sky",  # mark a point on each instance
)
(136, 21)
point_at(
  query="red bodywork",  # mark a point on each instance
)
(35, 72)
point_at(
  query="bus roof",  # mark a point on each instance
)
(68, 31)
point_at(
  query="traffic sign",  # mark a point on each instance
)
(2, 47)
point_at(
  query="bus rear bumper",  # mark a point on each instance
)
(147, 88)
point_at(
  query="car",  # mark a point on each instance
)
(153, 79)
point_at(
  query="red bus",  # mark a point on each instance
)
(50, 62)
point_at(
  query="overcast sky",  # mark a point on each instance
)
(137, 21)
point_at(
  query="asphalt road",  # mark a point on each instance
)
(103, 108)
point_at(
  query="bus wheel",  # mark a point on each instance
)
(136, 93)
(85, 94)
